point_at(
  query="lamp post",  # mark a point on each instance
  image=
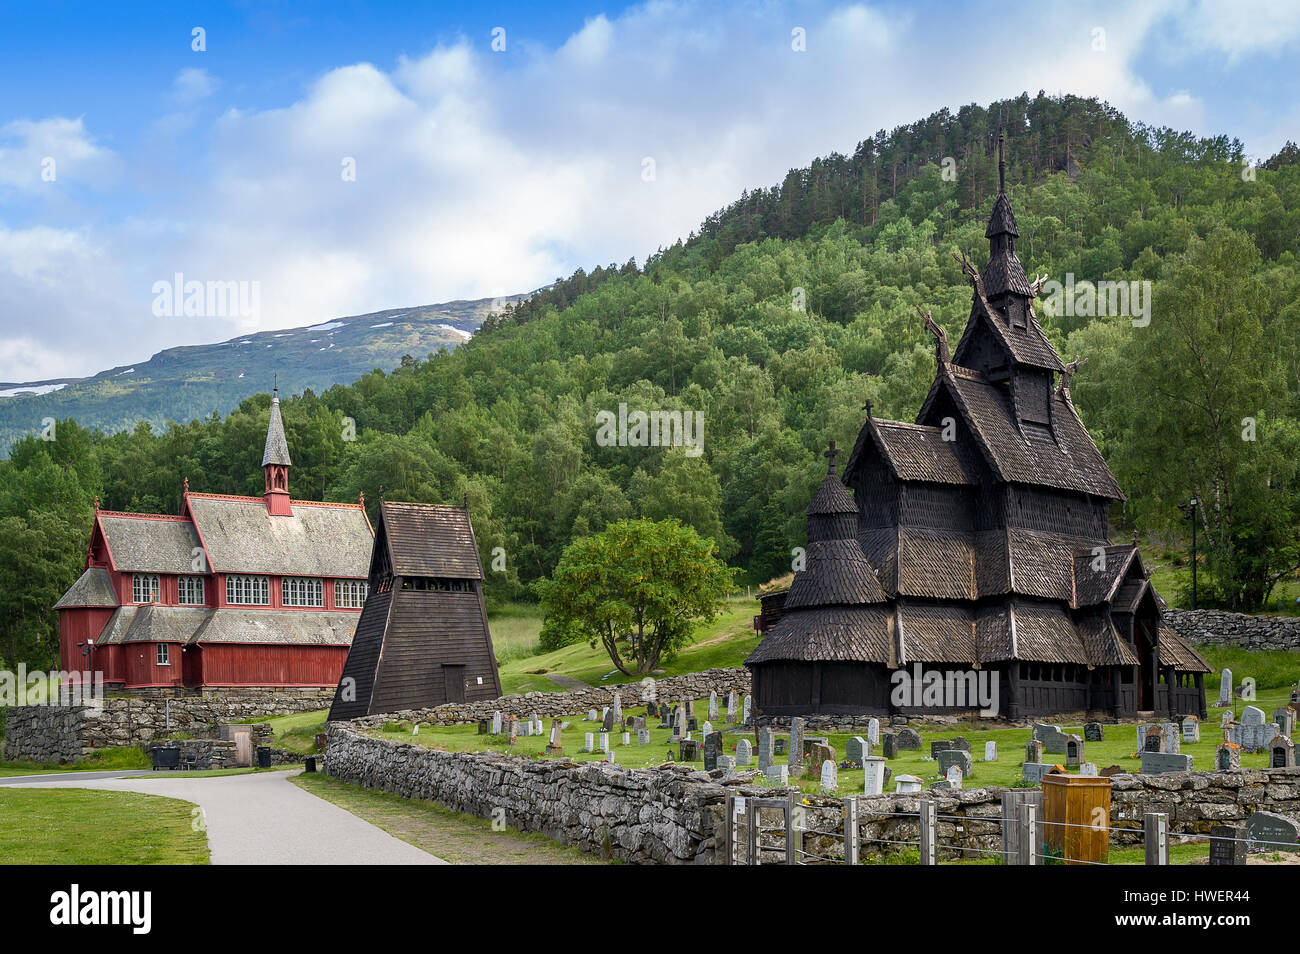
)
(1189, 512)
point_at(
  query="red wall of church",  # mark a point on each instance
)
(252, 665)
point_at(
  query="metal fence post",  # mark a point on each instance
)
(1155, 826)
(1029, 849)
(929, 831)
(850, 831)
(729, 821)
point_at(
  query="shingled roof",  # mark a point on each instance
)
(149, 543)
(917, 452)
(93, 588)
(294, 627)
(430, 540)
(277, 445)
(240, 536)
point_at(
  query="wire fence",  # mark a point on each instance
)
(787, 831)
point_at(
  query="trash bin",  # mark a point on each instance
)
(165, 757)
(1076, 817)
(310, 764)
(263, 756)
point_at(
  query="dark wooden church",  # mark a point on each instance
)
(423, 638)
(976, 540)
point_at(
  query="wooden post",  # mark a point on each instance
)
(753, 857)
(929, 832)
(850, 831)
(794, 831)
(1155, 825)
(1029, 839)
(729, 822)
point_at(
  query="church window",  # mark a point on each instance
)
(248, 590)
(303, 591)
(144, 588)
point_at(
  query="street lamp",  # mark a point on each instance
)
(1189, 513)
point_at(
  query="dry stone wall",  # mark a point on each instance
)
(1215, 627)
(56, 733)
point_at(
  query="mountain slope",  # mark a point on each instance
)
(195, 381)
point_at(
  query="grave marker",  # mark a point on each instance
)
(830, 780)
(743, 752)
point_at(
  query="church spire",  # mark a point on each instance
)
(276, 462)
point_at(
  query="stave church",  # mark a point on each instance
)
(975, 541)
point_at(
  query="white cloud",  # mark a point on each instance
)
(479, 173)
(29, 149)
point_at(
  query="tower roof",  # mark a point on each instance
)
(277, 447)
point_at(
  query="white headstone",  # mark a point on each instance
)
(627, 738)
(642, 736)
(954, 776)
(589, 743)
(1225, 688)
(745, 713)
(496, 723)
(873, 731)
(604, 742)
(873, 769)
(907, 785)
(990, 751)
(744, 752)
(830, 781)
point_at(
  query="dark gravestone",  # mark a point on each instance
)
(692, 725)
(1227, 845)
(940, 746)
(650, 709)
(484, 726)
(608, 724)
(1269, 831)
(909, 738)
(950, 757)
(889, 745)
(712, 749)
(782, 744)
(1093, 732)
(961, 742)
(688, 750)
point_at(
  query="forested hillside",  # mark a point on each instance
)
(777, 321)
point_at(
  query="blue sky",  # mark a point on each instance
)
(482, 171)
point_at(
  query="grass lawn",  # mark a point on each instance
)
(452, 836)
(724, 642)
(50, 826)
(297, 732)
(103, 760)
(1120, 747)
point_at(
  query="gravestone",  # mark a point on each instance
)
(1227, 757)
(512, 729)
(830, 780)
(688, 750)
(889, 745)
(638, 723)
(642, 736)
(765, 748)
(689, 706)
(1226, 720)
(1034, 771)
(604, 742)
(651, 710)
(781, 745)
(1191, 729)
(820, 752)
(554, 744)
(1253, 734)
(939, 746)
(713, 705)
(1052, 737)
(1281, 753)
(627, 738)
(1093, 732)
(794, 757)
(990, 751)
(950, 757)
(1088, 769)
(1159, 737)
(954, 775)
(1225, 688)
(939, 785)
(732, 705)
(960, 742)
(496, 723)
(1284, 717)
(1074, 748)
(706, 728)
(874, 770)
(1228, 845)
(680, 732)
(745, 714)
(777, 774)
(1033, 751)
(743, 753)
(692, 724)
(618, 708)
(1162, 763)
(712, 749)
(484, 726)
(591, 715)
(606, 718)
(1269, 831)
(908, 738)
(873, 731)
(589, 742)
(726, 763)
(907, 785)
(855, 750)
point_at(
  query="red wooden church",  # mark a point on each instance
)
(235, 591)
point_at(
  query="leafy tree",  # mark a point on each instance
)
(637, 588)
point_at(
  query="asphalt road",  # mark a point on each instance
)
(260, 819)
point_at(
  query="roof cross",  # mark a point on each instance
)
(830, 454)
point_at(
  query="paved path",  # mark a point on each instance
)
(264, 819)
(68, 776)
